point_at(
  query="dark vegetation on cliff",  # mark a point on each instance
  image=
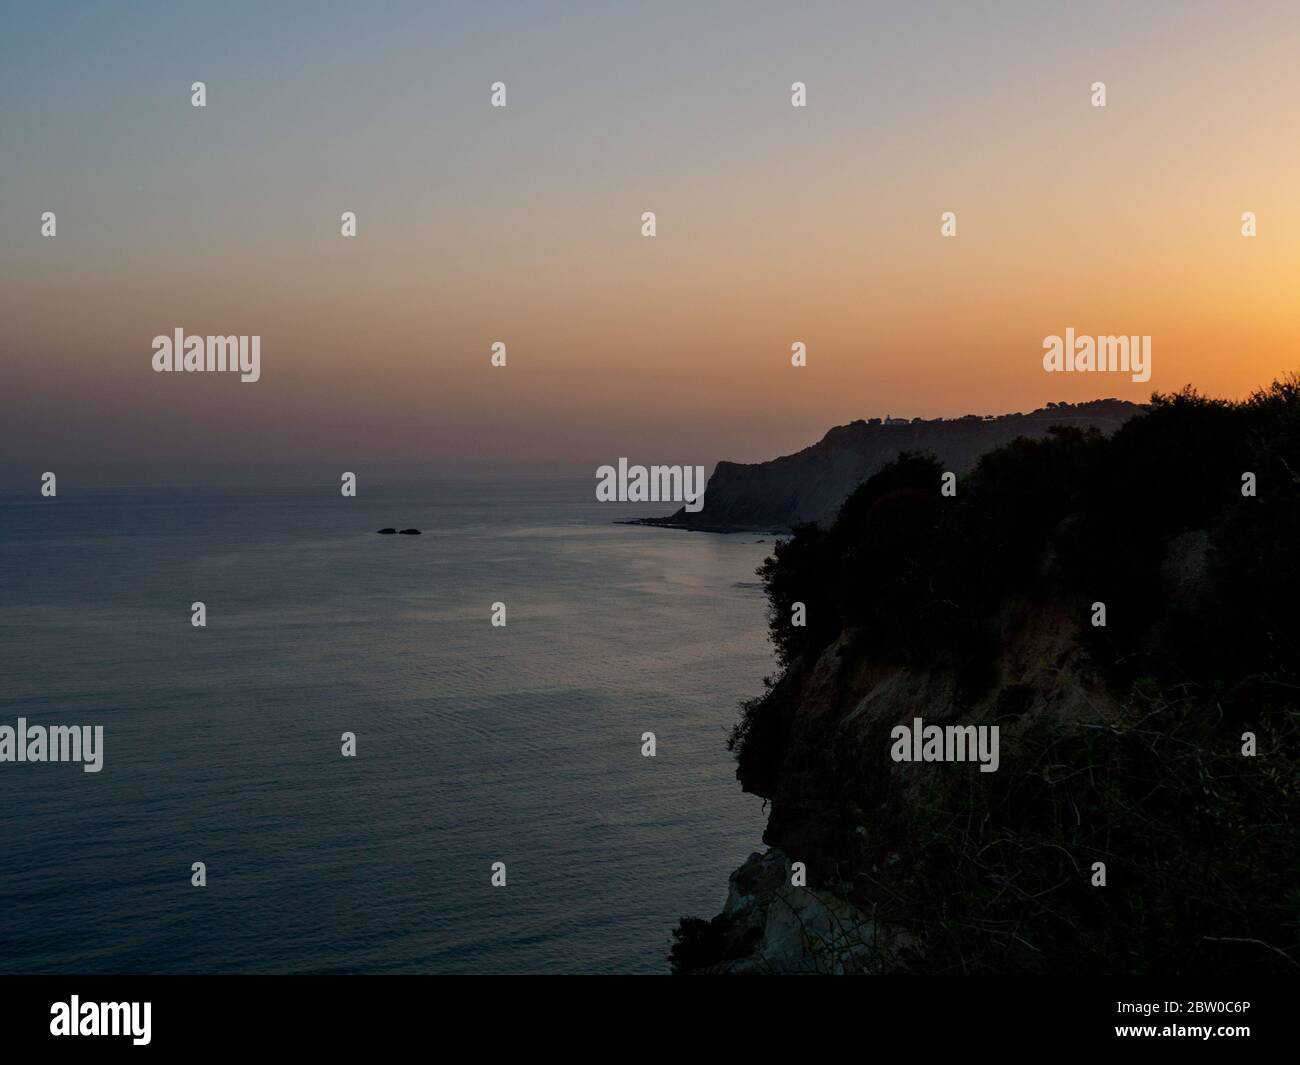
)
(988, 873)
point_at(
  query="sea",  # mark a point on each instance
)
(476, 744)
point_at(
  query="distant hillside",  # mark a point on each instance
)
(810, 485)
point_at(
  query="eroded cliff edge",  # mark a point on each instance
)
(1123, 745)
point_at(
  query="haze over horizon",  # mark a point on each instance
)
(521, 224)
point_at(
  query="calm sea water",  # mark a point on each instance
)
(475, 744)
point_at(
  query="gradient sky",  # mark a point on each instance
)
(523, 225)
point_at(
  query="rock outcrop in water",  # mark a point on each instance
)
(810, 485)
(1159, 751)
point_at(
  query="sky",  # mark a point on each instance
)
(522, 224)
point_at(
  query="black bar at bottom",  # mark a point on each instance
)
(342, 1014)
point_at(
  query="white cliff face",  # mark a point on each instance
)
(788, 929)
